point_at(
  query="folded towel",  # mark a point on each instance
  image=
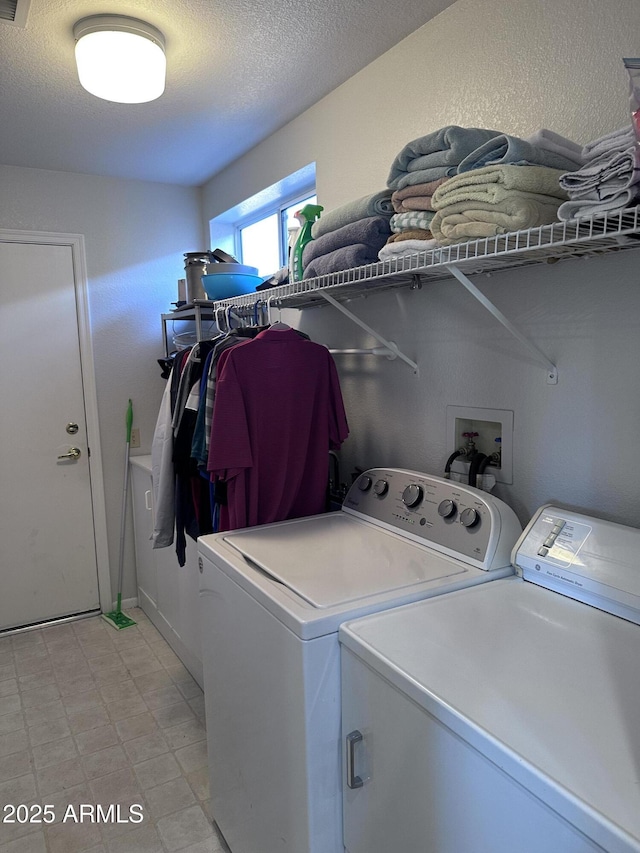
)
(411, 219)
(372, 232)
(342, 259)
(618, 140)
(377, 204)
(435, 155)
(603, 177)
(457, 223)
(411, 234)
(577, 208)
(504, 149)
(551, 141)
(415, 197)
(492, 182)
(406, 248)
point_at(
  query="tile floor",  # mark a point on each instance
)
(90, 715)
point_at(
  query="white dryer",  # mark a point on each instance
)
(273, 598)
(503, 718)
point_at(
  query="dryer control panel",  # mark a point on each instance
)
(586, 558)
(448, 516)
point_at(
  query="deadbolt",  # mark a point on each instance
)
(72, 428)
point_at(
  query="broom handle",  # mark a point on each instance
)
(125, 493)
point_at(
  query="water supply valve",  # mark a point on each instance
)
(470, 447)
(495, 458)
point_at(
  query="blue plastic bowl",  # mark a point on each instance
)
(230, 280)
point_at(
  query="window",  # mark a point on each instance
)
(265, 244)
(256, 231)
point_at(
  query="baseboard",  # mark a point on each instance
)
(126, 603)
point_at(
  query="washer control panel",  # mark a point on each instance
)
(449, 516)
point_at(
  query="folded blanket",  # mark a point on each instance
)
(492, 182)
(435, 155)
(415, 197)
(457, 223)
(411, 234)
(577, 208)
(411, 219)
(504, 149)
(406, 248)
(342, 259)
(603, 177)
(377, 204)
(551, 141)
(372, 232)
(618, 140)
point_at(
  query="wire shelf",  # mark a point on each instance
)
(545, 244)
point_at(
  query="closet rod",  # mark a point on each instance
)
(389, 345)
(390, 354)
(552, 370)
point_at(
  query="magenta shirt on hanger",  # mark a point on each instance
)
(278, 411)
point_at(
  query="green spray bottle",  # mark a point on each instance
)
(306, 217)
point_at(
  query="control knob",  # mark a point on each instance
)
(412, 495)
(469, 517)
(381, 487)
(447, 508)
(364, 483)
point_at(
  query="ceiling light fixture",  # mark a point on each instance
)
(120, 59)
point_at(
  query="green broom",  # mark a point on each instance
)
(117, 619)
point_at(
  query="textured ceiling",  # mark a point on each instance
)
(236, 72)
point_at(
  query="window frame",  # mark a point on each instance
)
(279, 207)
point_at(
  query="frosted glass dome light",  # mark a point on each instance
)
(120, 59)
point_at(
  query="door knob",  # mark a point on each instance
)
(74, 453)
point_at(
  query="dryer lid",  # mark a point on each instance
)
(336, 559)
(542, 685)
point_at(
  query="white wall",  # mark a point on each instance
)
(513, 67)
(135, 235)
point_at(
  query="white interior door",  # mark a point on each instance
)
(48, 564)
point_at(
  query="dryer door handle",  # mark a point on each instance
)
(353, 738)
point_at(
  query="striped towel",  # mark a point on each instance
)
(411, 219)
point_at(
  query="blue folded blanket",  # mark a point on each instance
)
(436, 155)
(373, 232)
(377, 204)
(504, 149)
(341, 259)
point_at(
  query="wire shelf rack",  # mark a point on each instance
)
(545, 244)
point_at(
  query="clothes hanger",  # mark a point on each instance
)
(218, 323)
(227, 316)
(278, 326)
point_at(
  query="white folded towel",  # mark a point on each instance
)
(603, 177)
(551, 141)
(578, 208)
(618, 140)
(403, 248)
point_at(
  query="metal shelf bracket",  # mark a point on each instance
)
(389, 345)
(551, 369)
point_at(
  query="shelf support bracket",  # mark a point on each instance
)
(552, 370)
(385, 343)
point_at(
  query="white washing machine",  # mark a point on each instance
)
(273, 598)
(503, 718)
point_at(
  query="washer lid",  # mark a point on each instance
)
(336, 559)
